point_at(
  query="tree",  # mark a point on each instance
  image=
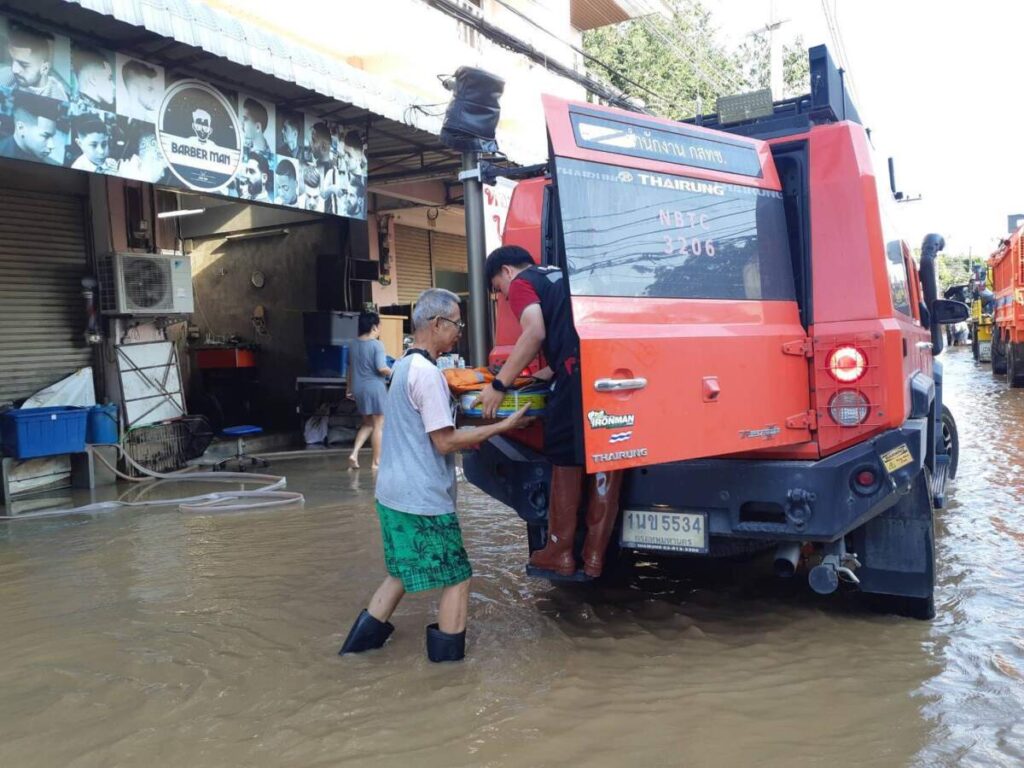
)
(752, 63)
(952, 270)
(678, 67)
(675, 65)
(796, 68)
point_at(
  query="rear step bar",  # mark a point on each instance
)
(939, 480)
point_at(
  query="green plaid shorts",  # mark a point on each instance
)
(423, 552)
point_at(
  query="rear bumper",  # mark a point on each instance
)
(748, 499)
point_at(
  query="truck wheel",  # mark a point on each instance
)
(998, 353)
(950, 441)
(897, 553)
(1015, 364)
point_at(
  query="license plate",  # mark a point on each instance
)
(984, 351)
(667, 531)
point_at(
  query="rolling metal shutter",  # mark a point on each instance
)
(412, 262)
(448, 252)
(42, 319)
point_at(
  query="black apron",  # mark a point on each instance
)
(563, 412)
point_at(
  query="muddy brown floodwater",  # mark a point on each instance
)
(158, 638)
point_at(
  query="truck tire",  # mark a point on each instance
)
(950, 441)
(998, 353)
(897, 554)
(1015, 364)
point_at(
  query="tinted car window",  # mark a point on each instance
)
(636, 233)
(898, 277)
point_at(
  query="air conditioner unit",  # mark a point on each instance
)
(145, 284)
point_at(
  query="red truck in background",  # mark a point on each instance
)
(1006, 266)
(757, 344)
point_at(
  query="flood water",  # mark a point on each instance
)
(160, 638)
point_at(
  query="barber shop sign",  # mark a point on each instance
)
(199, 135)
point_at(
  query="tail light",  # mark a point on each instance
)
(866, 478)
(848, 408)
(847, 364)
(850, 387)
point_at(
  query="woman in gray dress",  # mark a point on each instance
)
(367, 372)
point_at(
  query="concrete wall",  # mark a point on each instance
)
(225, 299)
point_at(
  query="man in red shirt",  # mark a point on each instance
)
(539, 298)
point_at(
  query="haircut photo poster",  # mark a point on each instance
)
(67, 103)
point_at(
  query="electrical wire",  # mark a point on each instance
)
(832, 22)
(722, 82)
(608, 68)
(498, 36)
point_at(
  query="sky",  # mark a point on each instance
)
(939, 84)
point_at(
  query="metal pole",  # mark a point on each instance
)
(479, 291)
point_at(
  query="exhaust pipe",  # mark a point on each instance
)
(787, 558)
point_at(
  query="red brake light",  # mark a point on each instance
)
(866, 478)
(847, 364)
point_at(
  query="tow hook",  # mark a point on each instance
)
(798, 507)
(837, 565)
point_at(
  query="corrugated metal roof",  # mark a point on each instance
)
(217, 32)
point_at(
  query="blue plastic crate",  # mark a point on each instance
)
(327, 360)
(31, 432)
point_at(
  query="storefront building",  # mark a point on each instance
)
(291, 173)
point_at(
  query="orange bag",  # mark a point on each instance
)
(463, 380)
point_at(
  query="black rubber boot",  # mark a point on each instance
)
(442, 646)
(366, 634)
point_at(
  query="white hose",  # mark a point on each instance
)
(267, 497)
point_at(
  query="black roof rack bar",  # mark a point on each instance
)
(828, 102)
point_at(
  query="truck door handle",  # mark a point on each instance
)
(924, 345)
(619, 385)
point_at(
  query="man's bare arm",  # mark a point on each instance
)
(527, 345)
(451, 440)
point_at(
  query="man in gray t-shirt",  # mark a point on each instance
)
(422, 540)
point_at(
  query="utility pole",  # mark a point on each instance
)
(479, 290)
(775, 79)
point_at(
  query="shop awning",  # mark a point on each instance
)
(192, 39)
(217, 32)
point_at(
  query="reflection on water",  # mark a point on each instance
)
(975, 700)
(156, 637)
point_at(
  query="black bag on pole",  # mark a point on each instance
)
(473, 112)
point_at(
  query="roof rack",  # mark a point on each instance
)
(828, 102)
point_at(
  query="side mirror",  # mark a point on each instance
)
(946, 312)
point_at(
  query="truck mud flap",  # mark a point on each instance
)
(897, 548)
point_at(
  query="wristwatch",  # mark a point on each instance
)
(499, 385)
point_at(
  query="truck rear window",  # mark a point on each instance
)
(635, 233)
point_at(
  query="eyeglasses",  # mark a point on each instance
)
(457, 323)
